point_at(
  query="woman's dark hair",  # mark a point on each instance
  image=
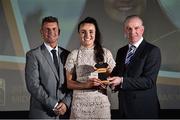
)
(98, 50)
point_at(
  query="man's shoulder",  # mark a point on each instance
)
(64, 50)
(34, 50)
(64, 54)
(123, 48)
(150, 45)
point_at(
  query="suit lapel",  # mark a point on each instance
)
(138, 52)
(47, 56)
(125, 53)
(61, 67)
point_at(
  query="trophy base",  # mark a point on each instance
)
(105, 81)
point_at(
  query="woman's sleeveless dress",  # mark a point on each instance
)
(88, 104)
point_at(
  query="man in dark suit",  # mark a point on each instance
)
(136, 73)
(45, 75)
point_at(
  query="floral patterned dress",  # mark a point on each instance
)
(88, 104)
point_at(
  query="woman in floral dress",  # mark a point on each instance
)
(89, 102)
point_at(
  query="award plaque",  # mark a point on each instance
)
(102, 70)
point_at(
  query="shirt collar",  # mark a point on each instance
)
(138, 43)
(49, 48)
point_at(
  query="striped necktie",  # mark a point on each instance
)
(130, 53)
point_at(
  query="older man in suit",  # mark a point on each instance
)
(45, 75)
(135, 74)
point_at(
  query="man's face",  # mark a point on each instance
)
(134, 30)
(120, 9)
(50, 32)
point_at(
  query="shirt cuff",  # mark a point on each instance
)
(55, 106)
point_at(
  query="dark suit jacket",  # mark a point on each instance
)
(138, 93)
(46, 86)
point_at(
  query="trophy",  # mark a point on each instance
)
(103, 72)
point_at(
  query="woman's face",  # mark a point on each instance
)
(87, 34)
(119, 9)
